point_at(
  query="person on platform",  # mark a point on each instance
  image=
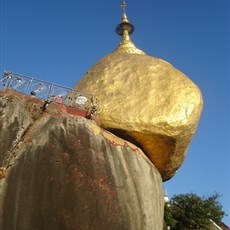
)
(81, 102)
(59, 99)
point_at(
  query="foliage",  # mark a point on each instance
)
(189, 211)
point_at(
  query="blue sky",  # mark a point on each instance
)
(59, 41)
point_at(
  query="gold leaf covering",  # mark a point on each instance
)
(148, 102)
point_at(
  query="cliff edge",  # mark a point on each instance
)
(61, 171)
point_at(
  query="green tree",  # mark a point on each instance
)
(189, 211)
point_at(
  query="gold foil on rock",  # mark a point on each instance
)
(148, 102)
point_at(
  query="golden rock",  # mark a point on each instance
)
(146, 101)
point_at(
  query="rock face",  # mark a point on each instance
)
(147, 101)
(61, 171)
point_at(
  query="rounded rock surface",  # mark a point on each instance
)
(148, 102)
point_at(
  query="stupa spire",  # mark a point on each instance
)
(125, 29)
(123, 6)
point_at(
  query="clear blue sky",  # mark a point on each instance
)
(59, 41)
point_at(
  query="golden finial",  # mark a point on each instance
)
(124, 29)
(123, 6)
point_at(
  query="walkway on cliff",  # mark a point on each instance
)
(50, 92)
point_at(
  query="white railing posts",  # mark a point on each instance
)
(49, 91)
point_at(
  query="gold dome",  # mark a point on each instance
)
(147, 101)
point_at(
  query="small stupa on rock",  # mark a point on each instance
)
(146, 101)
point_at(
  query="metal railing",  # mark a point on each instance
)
(49, 91)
